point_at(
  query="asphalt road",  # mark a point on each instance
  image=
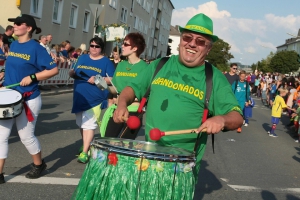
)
(247, 165)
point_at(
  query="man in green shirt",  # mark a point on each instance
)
(178, 91)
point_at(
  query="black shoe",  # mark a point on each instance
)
(36, 170)
(2, 178)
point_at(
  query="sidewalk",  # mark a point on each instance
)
(49, 90)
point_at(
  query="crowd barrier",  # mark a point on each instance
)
(62, 77)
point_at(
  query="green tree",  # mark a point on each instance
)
(285, 62)
(219, 55)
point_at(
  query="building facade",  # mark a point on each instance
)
(291, 44)
(75, 20)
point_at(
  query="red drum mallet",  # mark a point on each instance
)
(133, 122)
(156, 134)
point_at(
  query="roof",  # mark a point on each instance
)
(174, 30)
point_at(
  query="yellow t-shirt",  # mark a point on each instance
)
(277, 107)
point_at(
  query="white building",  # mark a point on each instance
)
(74, 20)
(174, 39)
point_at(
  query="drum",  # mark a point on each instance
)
(10, 103)
(100, 82)
(131, 169)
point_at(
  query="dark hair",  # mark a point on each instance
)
(233, 64)
(115, 49)
(98, 41)
(37, 31)
(9, 27)
(136, 40)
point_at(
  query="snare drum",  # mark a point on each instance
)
(100, 82)
(132, 169)
(10, 103)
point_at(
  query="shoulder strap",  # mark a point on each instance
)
(236, 83)
(146, 95)
(206, 114)
(247, 96)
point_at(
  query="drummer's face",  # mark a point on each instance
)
(95, 49)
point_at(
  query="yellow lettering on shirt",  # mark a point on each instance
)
(130, 74)
(179, 86)
(89, 68)
(19, 55)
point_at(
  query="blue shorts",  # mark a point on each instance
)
(275, 120)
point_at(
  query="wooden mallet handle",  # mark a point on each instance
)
(156, 134)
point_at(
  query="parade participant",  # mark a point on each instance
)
(87, 97)
(232, 76)
(248, 110)
(112, 98)
(27, 63)
(278, 106)
(128, 70)
(178, 90)
(241, 91)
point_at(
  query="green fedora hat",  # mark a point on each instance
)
(200, 23)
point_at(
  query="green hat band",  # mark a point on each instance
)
(199, 28)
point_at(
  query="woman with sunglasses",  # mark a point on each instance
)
(27, 63)
(87, 97)
(133, 46)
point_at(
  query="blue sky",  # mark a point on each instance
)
(252, 28)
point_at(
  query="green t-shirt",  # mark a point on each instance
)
(176, 101)
(126, 72)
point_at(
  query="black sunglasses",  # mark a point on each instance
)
(126, 44)
(95, 46)
(234, 68)
(189, 38)
(18, 23)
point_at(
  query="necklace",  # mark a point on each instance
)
(130, 65)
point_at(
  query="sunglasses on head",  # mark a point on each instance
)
(18, 23)
(126, 44)
(95, 46)
(198, 41)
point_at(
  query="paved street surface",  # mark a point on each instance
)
(248, 165)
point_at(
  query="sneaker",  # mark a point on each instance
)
(273, 135)
(268, 132)
(36, 170)
(245, 124)
(295, 141)
(239, 130)
(83, 158)
(2, 178)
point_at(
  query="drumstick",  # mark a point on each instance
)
(109, 88)
(10, 86)
(133, 122)
(156, 134)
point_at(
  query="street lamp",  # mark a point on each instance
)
(292, 35)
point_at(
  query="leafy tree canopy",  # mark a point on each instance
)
(219, 55)
(285, 62)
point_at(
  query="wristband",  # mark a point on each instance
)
(33, 78)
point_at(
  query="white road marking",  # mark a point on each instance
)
(42, 180)
(243, 188)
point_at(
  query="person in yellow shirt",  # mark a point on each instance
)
(278, 105)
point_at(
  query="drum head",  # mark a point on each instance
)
(100, 82)
(9, 97)
(141, 148)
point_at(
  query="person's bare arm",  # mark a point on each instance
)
(126, 97)
(230, 121)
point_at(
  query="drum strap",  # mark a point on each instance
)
(26, 107)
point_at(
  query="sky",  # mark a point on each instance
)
(253, 28)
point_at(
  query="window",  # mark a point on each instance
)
(136, 22)
(86, 21)
(73, 16)
(154, 13)
(57, 11)
(132, 6)
(36, 8)
(113, 3)
(124, 15)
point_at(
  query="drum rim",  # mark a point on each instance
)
(12, 104)
(142, 151)
(149, 156)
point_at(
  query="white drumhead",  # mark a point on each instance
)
(9, 96)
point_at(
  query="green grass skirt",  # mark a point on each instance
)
(110, 176)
